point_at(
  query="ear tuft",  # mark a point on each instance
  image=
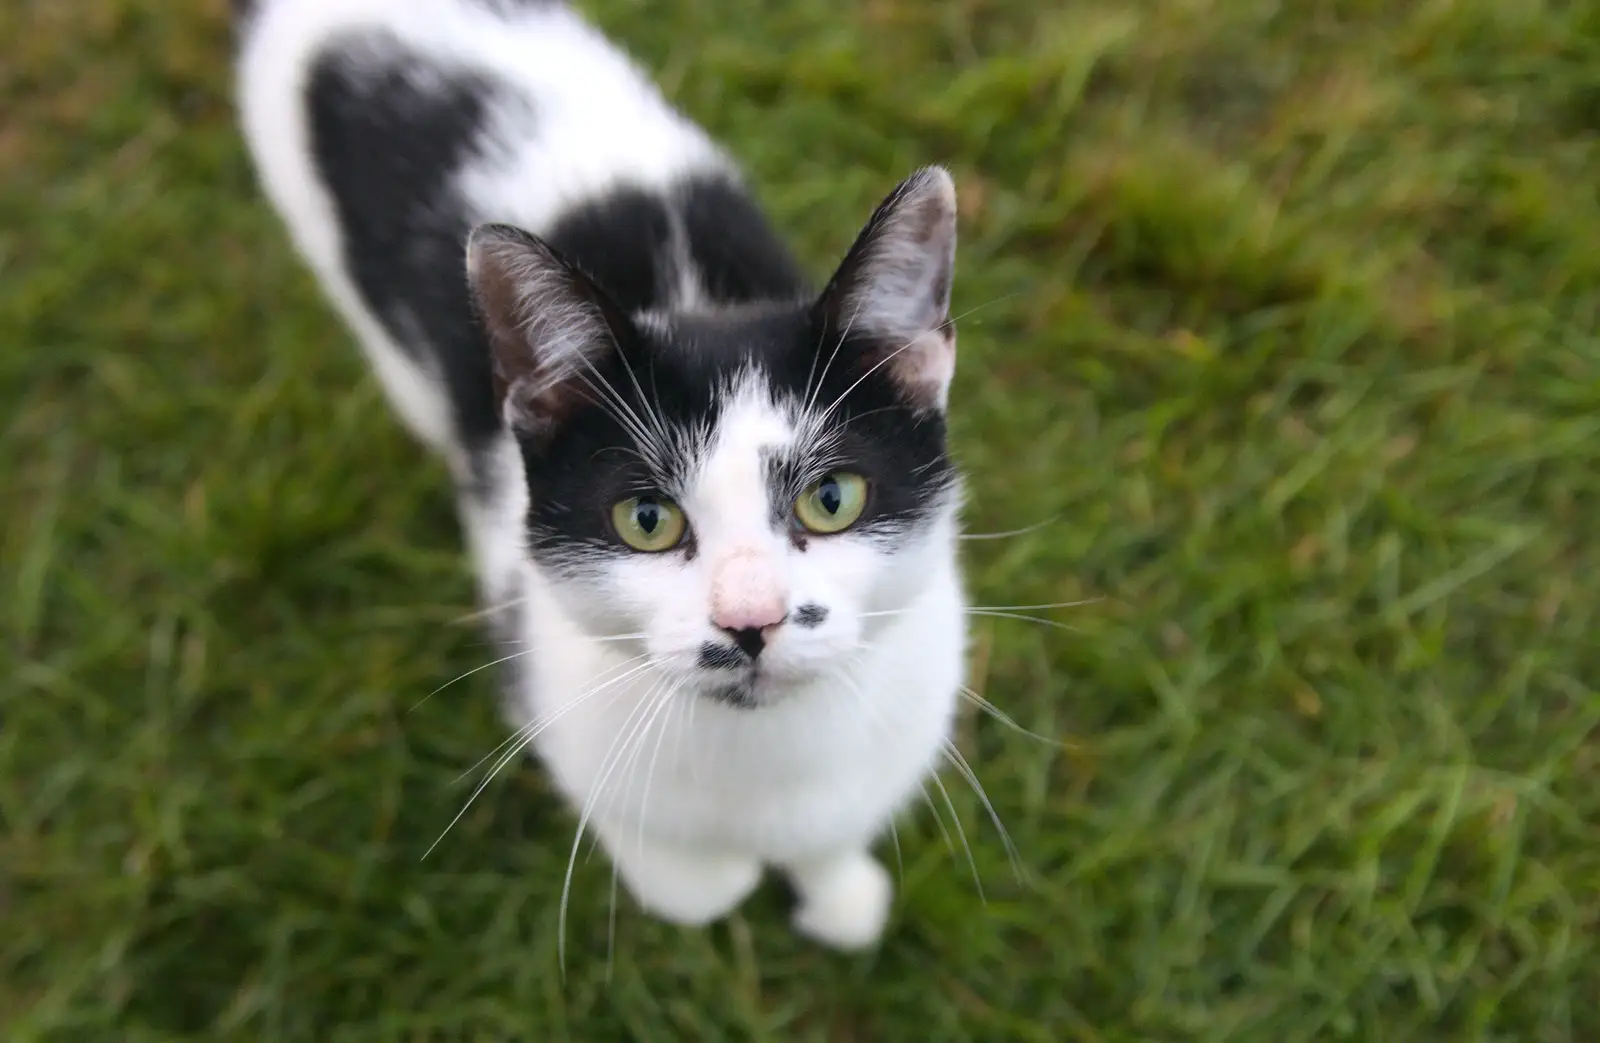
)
(893, 287)
(546, 323)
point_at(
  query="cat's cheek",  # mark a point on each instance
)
(665, 600)
(834, 577)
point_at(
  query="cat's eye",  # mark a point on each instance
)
(648, 523)
(833, 504)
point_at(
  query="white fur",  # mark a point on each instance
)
(692, 798)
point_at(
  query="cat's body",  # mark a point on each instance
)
(710, 508)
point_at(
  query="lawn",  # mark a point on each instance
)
(1282, 344)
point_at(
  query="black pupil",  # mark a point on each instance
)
(647, 516)
(828, 496)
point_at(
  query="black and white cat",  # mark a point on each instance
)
(713, 506)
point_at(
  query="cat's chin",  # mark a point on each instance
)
(754, 689)
(740, 695)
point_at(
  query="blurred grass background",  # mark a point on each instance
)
(1284, 318)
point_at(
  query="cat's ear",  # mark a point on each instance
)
(548, 324)
(893, 288)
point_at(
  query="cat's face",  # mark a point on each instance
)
(757, 530)
(748, 496)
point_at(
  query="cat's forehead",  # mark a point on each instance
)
(755, 417)
(716, 350)
(758, 430)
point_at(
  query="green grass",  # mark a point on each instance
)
(1284, 319)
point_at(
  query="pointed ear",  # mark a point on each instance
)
(547, 323)
(893, 288)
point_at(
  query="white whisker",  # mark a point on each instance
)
(531, 730)
(611, 924)
(483, 613)
(955, 757)
(961, 831)
(659, 707)
(946, 324)
(999, 608)
(1029, 608)
(518, 741)
(525, 643)
(1007, 533)
(650, 772)
(874, 720)
(577, 839)
(944, 831)
(1004, 718)
(1020, 616)
(821, 379)
(613, 758)
(469, 673)
(857, 383)
(617, 407)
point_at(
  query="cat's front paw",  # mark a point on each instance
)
(684, 888)
(844, 902)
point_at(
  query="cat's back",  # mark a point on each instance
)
(371, 112)
(383, 130)
(441, 82)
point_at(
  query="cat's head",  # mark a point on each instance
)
(755, 492)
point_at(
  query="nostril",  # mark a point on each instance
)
(749, 639)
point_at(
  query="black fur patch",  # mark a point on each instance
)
(734, 247)
(623, 242)
(810, 616)
(739, 696)
(388, 131)
(720, 657)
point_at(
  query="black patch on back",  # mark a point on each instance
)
(623, 242)
(636, 244)
(388, 131)
(739, 255)
(810, 615)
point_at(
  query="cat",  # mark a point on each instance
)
(712, 508)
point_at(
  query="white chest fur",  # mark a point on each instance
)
(818, 771)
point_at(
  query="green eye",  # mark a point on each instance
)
(648, 524)
(833, 504)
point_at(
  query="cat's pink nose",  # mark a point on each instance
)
(746, 593)
(762, 617)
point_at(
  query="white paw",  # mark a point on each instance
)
(687, 889)
(843, 903)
